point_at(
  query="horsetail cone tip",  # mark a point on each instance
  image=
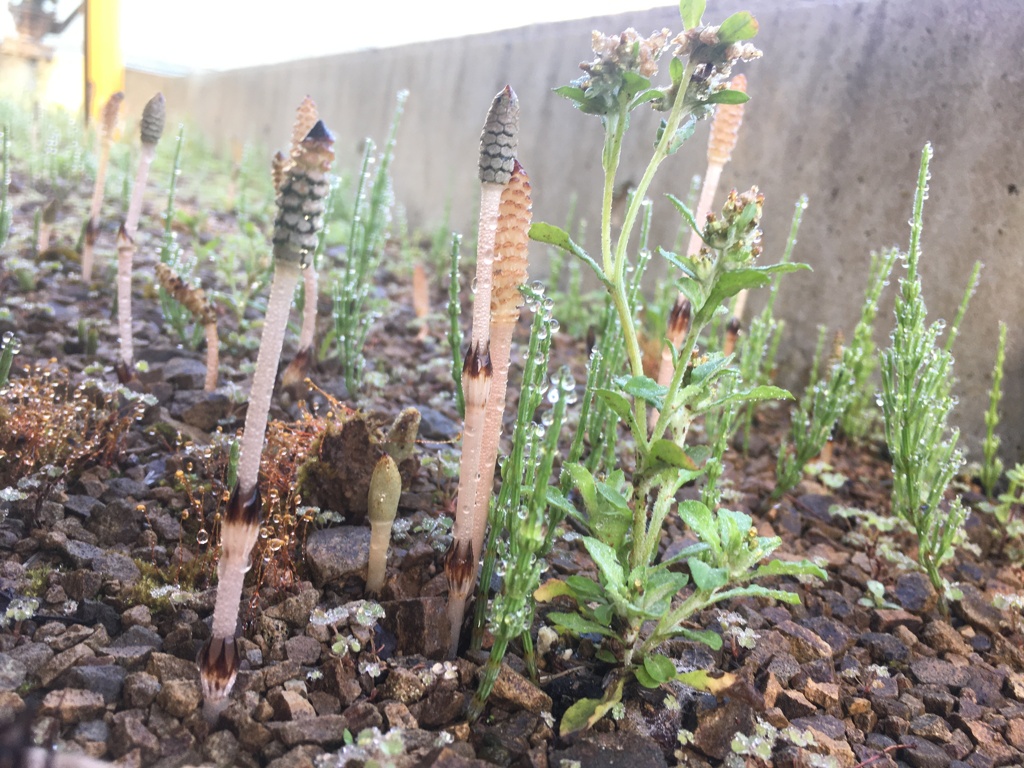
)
(301, 201)
(306, 116)
(725, 126)
(679, 320)
(500, 138)
(511, 246)
(154, 115)
(108, 118)
(382, 507)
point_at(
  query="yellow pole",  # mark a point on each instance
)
(104, 62)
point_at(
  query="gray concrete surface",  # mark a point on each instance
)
(842, 102)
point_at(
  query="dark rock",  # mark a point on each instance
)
(179, 698)
(62, 662)
(793, 705)
(612, 750)
(221, 748)
(937, 699)
(977, 610)
(915, 592)
(884, 649)
(896, 727)
(73, 705)
(82, 584)
(990, 744)
(80, 505)
(32, 655)
(338, 555)
(290, 705)
(125, 488)
(516, 692)
(128, 733)
(404, 686)
(113, 565)
(91, 612)
(443, 705)
(434, 425)
(138, 636)
(165, 667)
(838, 637)
(185, 373)
(303, 649)
(80, 553)
(105, 679)
(932, 671)
(119, 521)
(296, 609)
(717, 726)
(140, 689)
(506, 739)
(804, 644)
(941, 637)
(12, 673)
(420, 626)
(298, 757)
(888, 620)
(921, 753)
(328, 731)
(208, 412)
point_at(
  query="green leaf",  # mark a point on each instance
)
(675, 71)
(634, 83)
(763, 392)
(676, 262)
(607, 562)
(557, 499)
(617, 402)
(735, 280)
(711, 639)
(787, 568)
(584, 483)
(576, 624)
(585, 589)
(585, 712)
(682, 134)
(739, 26)
(645, 388)
(668, 452)
(603, 654)
(702, 680)
(558, 237)
(551, 589)
(572, 93)
(686, 213)
(706, 577)
(644, 678)
(701, 522)
(651, 94)
(727, 96)
(691, 11)
(659, 667)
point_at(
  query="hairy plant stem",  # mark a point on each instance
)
(282, 287)
(615, 262)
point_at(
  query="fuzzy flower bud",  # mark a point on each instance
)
(300, 204)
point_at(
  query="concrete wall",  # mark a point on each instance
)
(842, 102)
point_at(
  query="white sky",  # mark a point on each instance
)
(225, 34)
